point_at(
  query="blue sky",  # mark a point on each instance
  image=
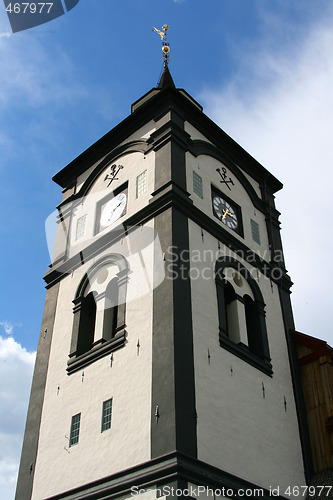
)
(263, 70)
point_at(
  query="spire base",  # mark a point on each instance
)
(166, 78)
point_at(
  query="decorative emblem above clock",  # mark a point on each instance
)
(223, 175)
(227, 211)
(112, 175)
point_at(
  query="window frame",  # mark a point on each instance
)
(260, 360)
(255, 231)
(78, 358)
(106, 425)
(73, 440)
(197, 177)
(140, 193)
(80, 236)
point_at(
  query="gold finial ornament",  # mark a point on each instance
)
(165, 45)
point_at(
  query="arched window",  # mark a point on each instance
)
(99, 312)
(87, 324)
(230, 303)
(253, 326)
(110, 310)
(241, 311)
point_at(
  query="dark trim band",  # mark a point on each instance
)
(174, 468)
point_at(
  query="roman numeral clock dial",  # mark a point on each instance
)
(227, 212)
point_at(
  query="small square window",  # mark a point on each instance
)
(255, 231)
(75, 430)
(197, 184)
(106, 415)
(141, 184)
(80, 227)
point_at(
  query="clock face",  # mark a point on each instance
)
(225, 212)
(113, 209)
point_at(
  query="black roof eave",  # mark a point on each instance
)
(152, 109)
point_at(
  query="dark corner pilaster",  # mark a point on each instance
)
(183, 341)
(297, 383)
(284, 285)
(173, 396)
(31, 435)
(163, 411)
(173, 425)
(170, 141)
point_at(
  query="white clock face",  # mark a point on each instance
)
(225, 212)
(113, 210)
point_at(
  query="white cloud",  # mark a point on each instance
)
(31, 77)
(279, 107)
(16, 367)
(8, 327)
(39, 85)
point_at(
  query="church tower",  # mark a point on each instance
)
(165, 358)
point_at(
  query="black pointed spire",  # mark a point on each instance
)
(166, 79)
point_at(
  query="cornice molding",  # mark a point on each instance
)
(165, 470)
(167, 132)
(158, 104)
(101, 350)
(172, 197)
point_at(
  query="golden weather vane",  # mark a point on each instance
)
(165, 45)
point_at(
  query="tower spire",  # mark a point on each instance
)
(166, 78)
